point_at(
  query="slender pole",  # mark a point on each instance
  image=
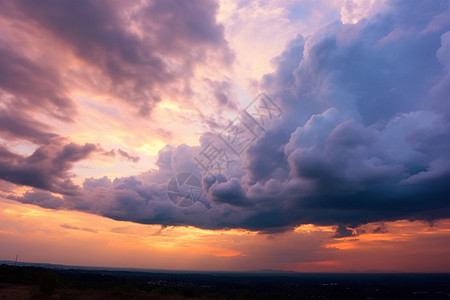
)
(15, 263)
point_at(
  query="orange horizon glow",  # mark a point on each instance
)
(63, 237)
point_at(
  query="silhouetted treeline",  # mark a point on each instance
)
(60, 284)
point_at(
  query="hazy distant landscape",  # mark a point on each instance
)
(27, 282)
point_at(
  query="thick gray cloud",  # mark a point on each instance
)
(47, 168)
(15, 125)
(364, 137)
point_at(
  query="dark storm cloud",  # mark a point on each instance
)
(47, 168)
(15, 124)
(370, 139)
(230, 192)
(364, 137)
(343, 231)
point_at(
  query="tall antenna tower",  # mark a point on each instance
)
(15, 263)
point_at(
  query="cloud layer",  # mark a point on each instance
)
(364, 135)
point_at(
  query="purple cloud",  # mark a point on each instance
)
(128, 156)
(47, 168)
(364, 136)
(138, 51)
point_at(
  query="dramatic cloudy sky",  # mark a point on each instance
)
(317, 134)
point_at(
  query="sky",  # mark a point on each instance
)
(301, 135)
